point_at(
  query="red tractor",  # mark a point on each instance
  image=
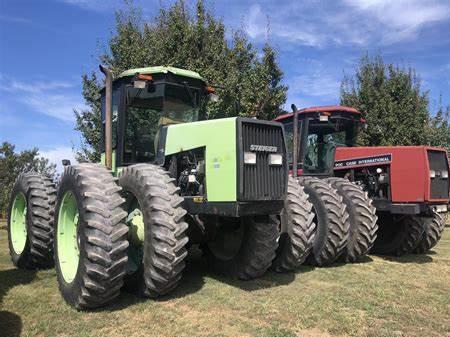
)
(408, 185)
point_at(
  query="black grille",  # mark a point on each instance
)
(438, 185)
(261, 181)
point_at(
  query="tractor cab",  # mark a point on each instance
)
(320, 130)
(144, 100)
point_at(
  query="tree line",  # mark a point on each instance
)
(391, 98)
(12, 163)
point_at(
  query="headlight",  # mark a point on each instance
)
(444, 174)
(432, 174)
(250, 158)
(275, 159)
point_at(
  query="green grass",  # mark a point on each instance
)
(398, 297)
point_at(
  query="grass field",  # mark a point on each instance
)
(398, 297)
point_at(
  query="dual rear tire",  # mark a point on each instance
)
(298, 229)
(331, 217)
(100, 248)
(30, 221)
(91, 236)
(362, 219)
(401, 235)
(432, 231)
(158, 232)
(244, 247)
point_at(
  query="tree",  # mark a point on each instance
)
(438, 128)
(391, 100)
(194, 40)
(13, 163)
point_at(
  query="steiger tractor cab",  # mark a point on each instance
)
(408, 185)
(169, 178)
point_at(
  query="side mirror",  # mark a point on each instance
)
(65, 162)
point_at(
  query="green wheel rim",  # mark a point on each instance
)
(18, 223)
(67, 237)
(135, 222)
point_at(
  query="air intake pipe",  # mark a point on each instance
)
(108, 115)
(295, 141)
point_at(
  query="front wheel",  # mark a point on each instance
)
(244, 247)
(157, 230)
(297, 229)
(362, 218)
(91, 237)
(331, 217)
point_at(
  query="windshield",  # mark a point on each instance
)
(319, 145)
(148, 109)
(320, 149)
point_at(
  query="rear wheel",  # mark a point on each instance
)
(397, 235)
(432, 231)
(158, 232)
(331, 218)
(243, 247)
(90, 241)
(297, 229)
(362, 219)
(30, 223)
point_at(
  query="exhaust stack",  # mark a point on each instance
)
(108, 115)
(295, 142)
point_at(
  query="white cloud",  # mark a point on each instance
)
(401, 19)
(37, 87)
(55, 105)
(56, 155)
(14, 19)
(346, 22)
(255, 27)
(53, 98)
(259, 24)
(316, 84)
(94, 5)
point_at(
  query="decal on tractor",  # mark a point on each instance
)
(262, 148)
(381, 159)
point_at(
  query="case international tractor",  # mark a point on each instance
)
(407, 185)
(169, 178)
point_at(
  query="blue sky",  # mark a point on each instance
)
(45, 46)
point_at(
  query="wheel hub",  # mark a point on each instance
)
(18, 223)
(68, 240)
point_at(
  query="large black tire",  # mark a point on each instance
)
(165, 231)
(101, 236)
(432, 231)
(362, 219)
(397, 235)
(40, 195)
(297, 229)
(331, 218)
(255, 251)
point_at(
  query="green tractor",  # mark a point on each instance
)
(169, 178)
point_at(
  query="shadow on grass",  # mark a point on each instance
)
(193, 280)
(339, 263)
(10, 323)
(198, 269)
(411, 258)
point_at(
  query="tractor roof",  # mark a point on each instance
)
(321, 109)
(162, 70)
